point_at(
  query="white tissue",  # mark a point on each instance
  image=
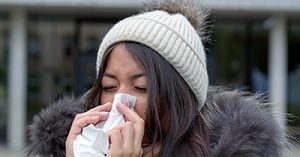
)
(93, 142)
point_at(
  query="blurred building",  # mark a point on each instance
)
(48, 48)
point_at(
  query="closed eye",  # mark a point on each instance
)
(141, 89)
(109, 88)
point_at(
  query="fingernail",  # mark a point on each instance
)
(125, 102)
(120, 104)
(104, 113)
(95, 117)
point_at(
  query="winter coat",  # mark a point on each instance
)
(241, 125)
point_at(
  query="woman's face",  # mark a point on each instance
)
(124, 75)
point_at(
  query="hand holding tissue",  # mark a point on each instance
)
(93, 142)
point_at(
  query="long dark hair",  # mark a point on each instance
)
(173, 119)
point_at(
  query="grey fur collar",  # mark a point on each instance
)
(241, 125)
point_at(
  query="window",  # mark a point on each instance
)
(239, 54)
(68, 45)
(61, 58)
(294, 73)
(3, 76)
(227, 52)
(33, 46)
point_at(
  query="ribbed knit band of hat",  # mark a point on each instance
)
(170, 28)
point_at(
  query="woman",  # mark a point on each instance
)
(158, 57)
(138, 70)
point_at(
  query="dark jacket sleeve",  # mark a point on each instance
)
(243, 125)
(49, 130)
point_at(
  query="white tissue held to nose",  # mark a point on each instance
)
(93, 142)
(115, 118)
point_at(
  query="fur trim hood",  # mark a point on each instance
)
(240, 123)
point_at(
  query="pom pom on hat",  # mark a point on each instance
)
(165, 28)
(191, 9)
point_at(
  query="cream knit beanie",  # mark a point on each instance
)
(170, 35)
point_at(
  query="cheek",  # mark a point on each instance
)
(141, 107)
(106, 98)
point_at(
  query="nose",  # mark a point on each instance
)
(124, 89)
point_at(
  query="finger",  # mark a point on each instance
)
(78, 124)
(105, 107)
(116, 140)
(102, 108)
(128, 135)
(77, 128)
(118, 127)
(128, 113)
(101, 117)
(125, 102)
(137, 121)
(90, 113)
(132, 142)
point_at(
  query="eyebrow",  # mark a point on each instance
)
(109, 75)
(137, 75)
(134, 76)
